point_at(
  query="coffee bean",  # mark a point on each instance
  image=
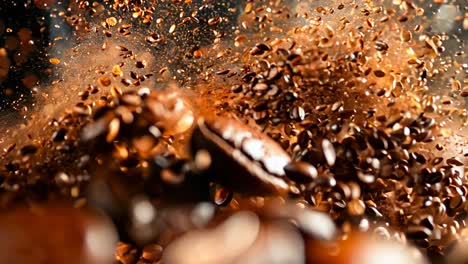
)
(59, 135)
(255, 161)
(329, 152)
(418, 232)
(220, 195)
(28, 150)
(301, 172)
(356, 207)
(455, 162)
(152, 252)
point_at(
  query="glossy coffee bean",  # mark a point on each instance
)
(243, 159)
(301, 172)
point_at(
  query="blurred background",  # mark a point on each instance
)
(24, 36)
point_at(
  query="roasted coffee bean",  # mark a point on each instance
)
(329, 152)
(381, 46)
(418, 232)
(59, 135)
(455, 161)
(243, 159)
(152, 253)
(301, 172)
(220, 195)
(28, 150)
(236, 88)
(356, 207)
(126, 253)
(259, 49)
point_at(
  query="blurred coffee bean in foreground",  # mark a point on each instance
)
(53, 235)
(242, 238)
(363, 249)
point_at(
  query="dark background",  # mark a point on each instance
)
(24, 34)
